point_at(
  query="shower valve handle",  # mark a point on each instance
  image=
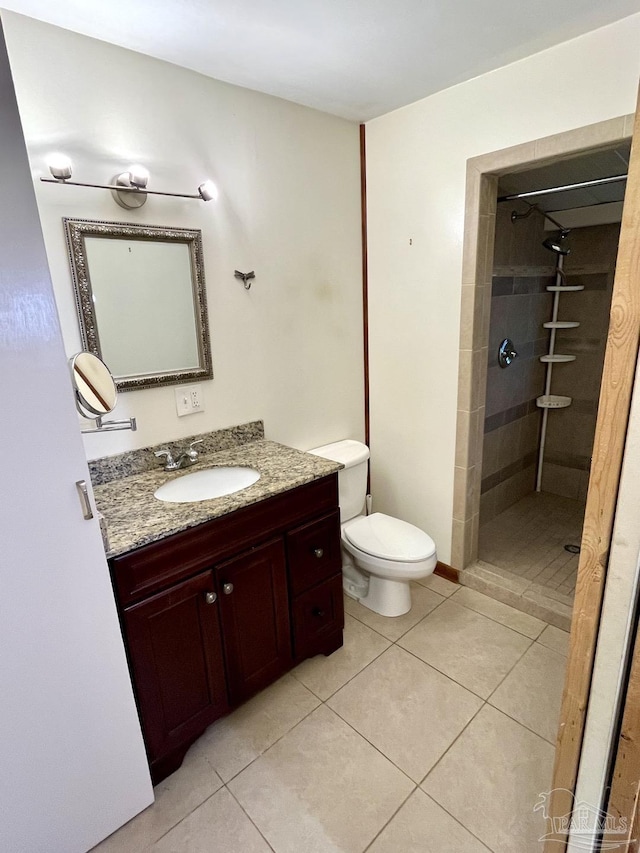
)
(506, 353)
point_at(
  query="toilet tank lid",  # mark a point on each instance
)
(348, 452)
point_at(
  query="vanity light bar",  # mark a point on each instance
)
(132, 182)
(120, 189)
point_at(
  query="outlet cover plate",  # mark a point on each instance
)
(189, 400)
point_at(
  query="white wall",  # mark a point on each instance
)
(416, 161)
(290, 349)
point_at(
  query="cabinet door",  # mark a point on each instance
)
(175, 652)
(255, 619)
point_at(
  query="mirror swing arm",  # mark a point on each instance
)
(110, 426)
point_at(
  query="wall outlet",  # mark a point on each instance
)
(189, 400)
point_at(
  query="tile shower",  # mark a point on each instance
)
(522, 532)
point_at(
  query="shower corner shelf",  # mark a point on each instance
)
(553, 401)
(565, 288)
(561, 324)
(556, 359)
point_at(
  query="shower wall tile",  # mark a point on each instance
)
(463, 439)
(582, 138)
(465, 384)
(490, 450)
(560, 480)
(502, 285)
(570, 431)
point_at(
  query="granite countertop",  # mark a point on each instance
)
(135, 518)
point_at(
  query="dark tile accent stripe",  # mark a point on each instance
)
(509, 471)
(532, 284)
(590, 281)
(502, 285)
(509, 415)
(568, 460)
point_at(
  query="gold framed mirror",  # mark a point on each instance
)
(141, 300)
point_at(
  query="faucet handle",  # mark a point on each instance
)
(170, 464)
(192, 453)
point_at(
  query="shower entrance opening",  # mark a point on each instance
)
(552, 232)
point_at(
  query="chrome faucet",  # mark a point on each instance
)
(187, 457)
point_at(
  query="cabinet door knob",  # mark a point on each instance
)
(227, 588)
(317, 611)
(210, 597)
(319, 552)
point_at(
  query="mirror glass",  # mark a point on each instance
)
(141, 300)
(95, 390)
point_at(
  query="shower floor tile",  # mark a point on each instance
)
(528, 540)
(522, 561)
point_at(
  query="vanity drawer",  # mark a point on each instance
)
(318, 614)
(313, 552)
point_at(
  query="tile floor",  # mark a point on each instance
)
(430, 732)
(522, 560)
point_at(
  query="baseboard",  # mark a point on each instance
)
(448, 572)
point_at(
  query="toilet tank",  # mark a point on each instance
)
(352, 479)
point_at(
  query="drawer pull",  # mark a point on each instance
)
(227, 588)
(317, 611)
(319, 552)
(210, 597)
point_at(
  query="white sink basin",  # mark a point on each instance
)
(210, 483)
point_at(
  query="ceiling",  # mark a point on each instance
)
(354, 58)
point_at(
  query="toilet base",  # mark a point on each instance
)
(386, 597)
(383, 596)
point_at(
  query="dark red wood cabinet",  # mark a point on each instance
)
(254, 609)
(213, 614)
(176, 660)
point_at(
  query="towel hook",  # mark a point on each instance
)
(246, 277)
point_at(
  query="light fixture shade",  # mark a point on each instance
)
(139, 176)
(59, 166)
(208, 191)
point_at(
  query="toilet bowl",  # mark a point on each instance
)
(381, 555)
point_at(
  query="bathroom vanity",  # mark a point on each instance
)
(213, 613)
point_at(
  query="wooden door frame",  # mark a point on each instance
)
(608, 451)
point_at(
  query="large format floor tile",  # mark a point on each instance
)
(234, 741)
(490, 780)
(176, 797)
(421, 826)
(532, 692)
(470, 648)
(217, 826)
(324, 675)
(423, 601)
(440, 585)
(554, 638)
(409, 711)
(321, 789)
(499, 612)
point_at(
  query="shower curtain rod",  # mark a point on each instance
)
(597, 182)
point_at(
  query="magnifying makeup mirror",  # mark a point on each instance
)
(95, 392)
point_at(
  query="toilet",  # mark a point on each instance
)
(381, 555)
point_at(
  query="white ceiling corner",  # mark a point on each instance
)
(353, 58)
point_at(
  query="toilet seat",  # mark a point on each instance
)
(389, 538)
